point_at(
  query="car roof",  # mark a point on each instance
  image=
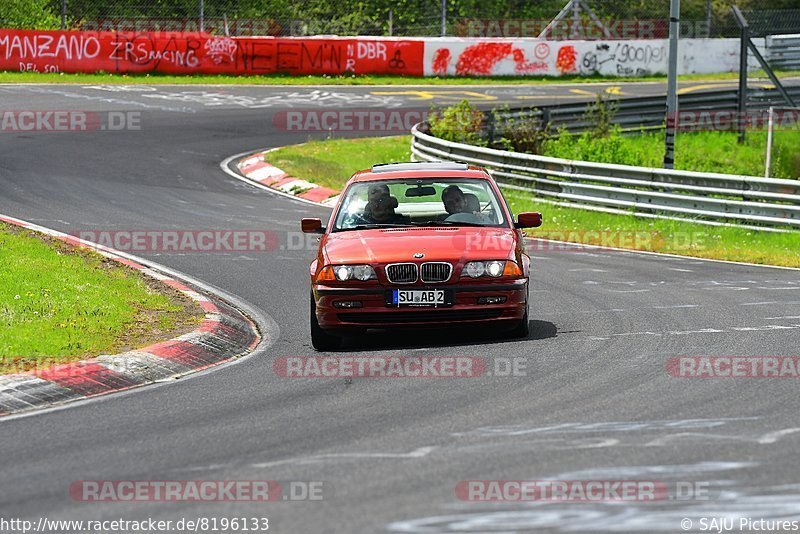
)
(417, 170)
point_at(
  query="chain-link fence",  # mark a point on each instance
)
(553, 19)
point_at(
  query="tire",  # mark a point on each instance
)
(522, 329)
(320, 339)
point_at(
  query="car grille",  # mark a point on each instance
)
(435, 272)
(401, 273)
(436, 317)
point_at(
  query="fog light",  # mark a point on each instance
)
(491, 300)
(347, 304)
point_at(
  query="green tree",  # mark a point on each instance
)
(28, 14)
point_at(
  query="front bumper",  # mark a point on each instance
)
(464, 310)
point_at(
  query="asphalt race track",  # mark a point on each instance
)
(596, 402)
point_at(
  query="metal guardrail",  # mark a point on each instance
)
(660, 193)
(783, 51)
(635, 114)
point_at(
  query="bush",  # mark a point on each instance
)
(461, 123)
(527, 135)
(600, 116)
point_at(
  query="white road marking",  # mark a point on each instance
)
(728, 288)
(766, 439)
(681, 270)
(780, 288)
(603, 426)
(416, 453)
(676, 306)
(764, 328)
(782, 317)
(772, 437)
(701, 331)
(769, 302)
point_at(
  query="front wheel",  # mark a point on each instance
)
(521, 330)
(320, 339)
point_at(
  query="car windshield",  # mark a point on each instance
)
(427, 202)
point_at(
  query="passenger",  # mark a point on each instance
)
(454, 200)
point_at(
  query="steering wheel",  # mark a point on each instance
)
(465, 218)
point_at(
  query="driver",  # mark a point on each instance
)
(380, 207)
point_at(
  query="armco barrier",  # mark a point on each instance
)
(783, 51)
(657, 193)
(201, 53)
(638, 113)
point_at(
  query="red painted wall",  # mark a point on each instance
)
(190, 53)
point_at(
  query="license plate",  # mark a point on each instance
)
(418, 297)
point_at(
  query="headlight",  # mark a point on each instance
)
(476, 269)
(357, 272)
(495, 268)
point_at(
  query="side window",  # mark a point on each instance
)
(352, 207)
(505, 203)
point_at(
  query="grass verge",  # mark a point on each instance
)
(286, 79)
(697, 151)
(60, 304)
(331, 162)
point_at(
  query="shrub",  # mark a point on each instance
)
(527, 134)
(461, 123)
(600, 116)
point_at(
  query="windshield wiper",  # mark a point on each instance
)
(371, 226)
(449, 223)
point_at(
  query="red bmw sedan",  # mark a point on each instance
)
(419, 245)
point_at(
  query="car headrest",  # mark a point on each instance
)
(473, 204)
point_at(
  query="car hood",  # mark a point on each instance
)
(393, 245)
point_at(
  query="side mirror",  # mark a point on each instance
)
(312, 226)
(528, 220)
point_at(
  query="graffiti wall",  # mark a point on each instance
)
(186, 53)
(517, 57)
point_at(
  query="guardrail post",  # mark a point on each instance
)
(741, 107)
(770, 125)
(672, 85)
